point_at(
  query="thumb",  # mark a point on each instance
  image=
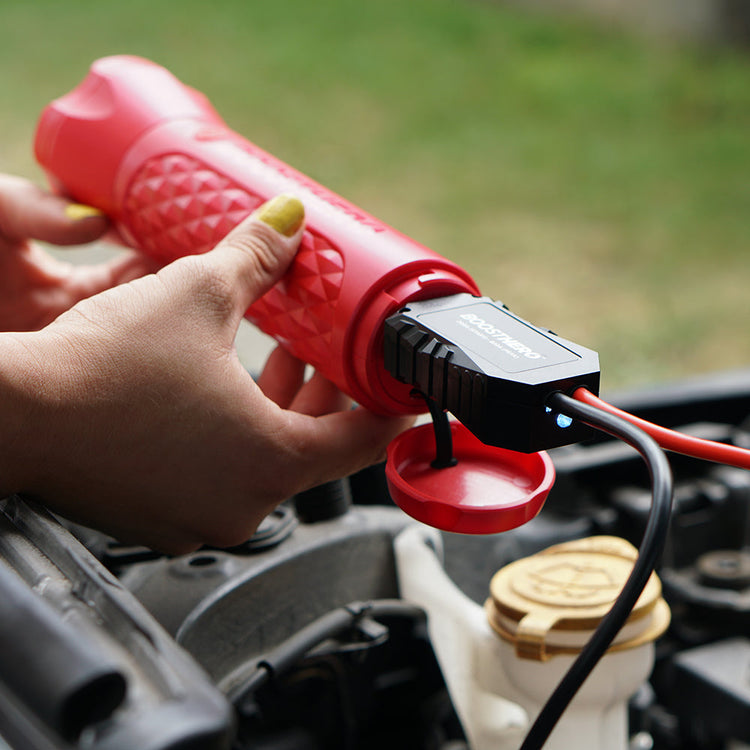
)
(256, 253)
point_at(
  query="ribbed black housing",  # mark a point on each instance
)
(491, 369)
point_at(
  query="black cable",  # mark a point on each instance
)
(444, 457)
(649, 551)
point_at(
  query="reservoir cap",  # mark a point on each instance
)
(550, 603)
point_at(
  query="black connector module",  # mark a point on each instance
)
(491, 369)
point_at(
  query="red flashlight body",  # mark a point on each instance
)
(155, 156)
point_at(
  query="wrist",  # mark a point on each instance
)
(19, 381)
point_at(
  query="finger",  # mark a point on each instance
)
(282, 377)
(343, 443)
(28, 212)
(320, 396)
(255, 254)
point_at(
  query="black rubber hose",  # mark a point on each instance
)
(66, 680)
(333, 623)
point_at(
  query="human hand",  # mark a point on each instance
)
(134, 415)
(35, 287)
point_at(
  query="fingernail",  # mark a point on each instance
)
(284, 213)
(79, 211)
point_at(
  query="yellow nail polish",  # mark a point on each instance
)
(284, 213)
(79, 211)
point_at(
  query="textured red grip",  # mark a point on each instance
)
(176, 204)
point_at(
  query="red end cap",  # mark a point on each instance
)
(82, 137)
(488, 491)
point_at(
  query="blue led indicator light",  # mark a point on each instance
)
(564, 421)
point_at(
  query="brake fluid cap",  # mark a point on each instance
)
(550, 603)
(488, 490)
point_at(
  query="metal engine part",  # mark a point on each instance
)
(298, 640)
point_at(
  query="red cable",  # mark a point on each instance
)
(675, 441)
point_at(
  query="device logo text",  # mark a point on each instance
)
(493, 333)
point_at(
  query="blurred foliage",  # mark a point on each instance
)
(596, 182)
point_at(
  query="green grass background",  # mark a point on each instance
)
(596, 182)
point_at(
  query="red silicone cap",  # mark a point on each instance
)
(489, 490)
(84, 135)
